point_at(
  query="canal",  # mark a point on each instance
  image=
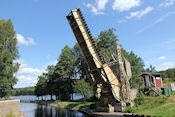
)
(37, 110)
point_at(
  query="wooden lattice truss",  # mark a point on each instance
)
(109, 70)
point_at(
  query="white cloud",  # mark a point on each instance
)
(124, 5)
(162, 58)
(165, 66)
(23, 41)
(167, 3)
(162, 18)
(122, 21)
(27, 76)
(101, 4)
(140, 14)
(98, 7)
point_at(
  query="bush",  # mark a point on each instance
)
(140, 99)
(129, 109)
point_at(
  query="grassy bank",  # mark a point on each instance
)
(74, 104)
(157, 106)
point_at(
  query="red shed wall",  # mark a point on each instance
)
(158, 82)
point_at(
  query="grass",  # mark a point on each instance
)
(74, 104)
(173, 93)
(10, 114)
(158, 106)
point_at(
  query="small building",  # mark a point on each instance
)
(152, 79)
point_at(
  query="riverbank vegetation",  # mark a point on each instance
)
(74, 104)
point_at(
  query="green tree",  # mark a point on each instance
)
(169, 73)
(81, 87)
(8, 54)
(64, 74)
(50, 79)
(151, 69)
(106, 39)
(41, 86)
(80, 66)
(137, 67)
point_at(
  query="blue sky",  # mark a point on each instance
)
(144, 26)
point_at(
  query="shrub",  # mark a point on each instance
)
(140, 99)
(129, 109)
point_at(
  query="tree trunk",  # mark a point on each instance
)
(51, 97)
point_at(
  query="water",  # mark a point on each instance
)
(47, 97)
(35, 110)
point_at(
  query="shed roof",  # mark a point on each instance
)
(150, 73)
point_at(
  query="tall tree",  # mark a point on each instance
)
(8, 54)
(83, 88)
(80, 66)
(106, 39)
(64, 73)
(50, 79)
(41, 86)
(137, 67)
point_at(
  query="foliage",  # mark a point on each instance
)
(106, 39)
(23, 91)
(80, 66)
(9, 53)
(82, 87)
(151, 69)
(129, 109)
(64, 74)
(137, 66)
(41, 86)
(58, 79)
(169, 73)
(50, 80)
(146, 91)
(139, 100)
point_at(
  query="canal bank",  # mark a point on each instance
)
(9, 107)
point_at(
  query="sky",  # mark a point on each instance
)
(146, 27)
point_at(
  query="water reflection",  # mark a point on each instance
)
(34, 110)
